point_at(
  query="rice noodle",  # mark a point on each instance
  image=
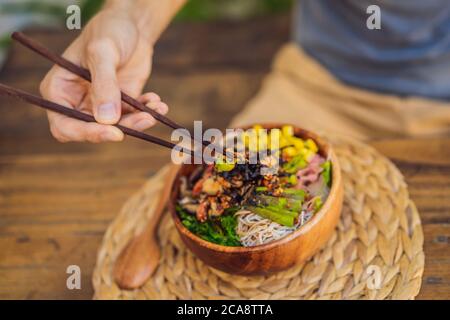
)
(254, 230)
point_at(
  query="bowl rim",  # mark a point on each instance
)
(336, 181)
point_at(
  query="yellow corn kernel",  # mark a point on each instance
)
(224, 165)
(284, 142)
(253, 144)
(297, 142)
(290, 151)
(276, 153)
(263, 140)
(275, 131)
(257, 127)
(274, 139)
(311, 145)
(245, 139)
(307, 154)
(287, 131)
(251, 140)
(293, 179)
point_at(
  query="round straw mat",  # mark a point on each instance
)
(375, 253)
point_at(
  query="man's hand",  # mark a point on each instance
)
(119, 58)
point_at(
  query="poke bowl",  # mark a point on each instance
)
(242, 222)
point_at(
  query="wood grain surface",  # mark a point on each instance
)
(56, 200)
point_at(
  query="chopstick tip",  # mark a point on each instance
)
(15, 34)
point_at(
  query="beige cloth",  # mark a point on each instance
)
(302, 92)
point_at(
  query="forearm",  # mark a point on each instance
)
(151, 16)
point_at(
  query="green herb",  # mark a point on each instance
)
(261, 189)
(317, 204)
(229, 224)
(231, 210)
(221, 230)
(326, 173)
(298, 162)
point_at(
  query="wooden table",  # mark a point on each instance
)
(56, 200)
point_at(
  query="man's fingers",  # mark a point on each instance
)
(66, 129)
(159, 107)
(149, 97)
(153, 101)
(138, 121)
(102, 61)
(142, 120)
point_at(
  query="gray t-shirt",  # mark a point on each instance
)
(409, 55)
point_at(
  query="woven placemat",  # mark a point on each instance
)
(375, 253)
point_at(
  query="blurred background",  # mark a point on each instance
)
(16, 14)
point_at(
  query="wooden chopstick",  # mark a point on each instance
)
(40, 102)
(86, 75)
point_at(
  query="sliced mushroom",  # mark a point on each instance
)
(191, 207)
(211, 187)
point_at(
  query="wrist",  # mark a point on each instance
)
(153, 16)
(120, 10)
(150, 17)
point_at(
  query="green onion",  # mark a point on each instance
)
(280, 202)
(295, 193)
(293, 179)
(282, 219)
(326, 173)
(317, 203)
(282, 211)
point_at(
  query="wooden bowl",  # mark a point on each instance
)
(278, 255)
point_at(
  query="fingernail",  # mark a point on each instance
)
(143, 124)
(111, 136)
(107, 112)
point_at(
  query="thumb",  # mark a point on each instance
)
(103, 59)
